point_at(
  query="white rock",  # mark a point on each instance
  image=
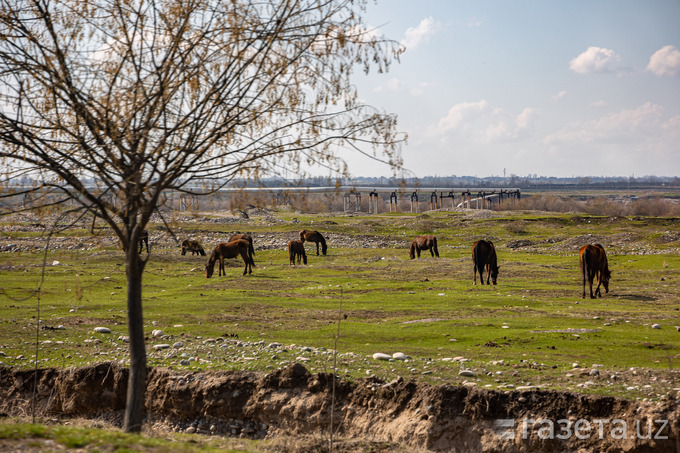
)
(55, 263)
(656, 326)
(399, 356)
(102, 329)
(178, 345)
(161, 346)
(381, 356)
(157, 333)
(467, 373)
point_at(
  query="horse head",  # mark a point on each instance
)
(494, 273)
(209, 269)
(606, 275)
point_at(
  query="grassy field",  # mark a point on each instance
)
(532, 329)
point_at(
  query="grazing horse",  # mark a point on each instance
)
(229, 250)
(484, 257)
(427, 242)
(144, 240)
(593, 263)
(314, 236)
(190, 245)
(245, 237)
(296, 249)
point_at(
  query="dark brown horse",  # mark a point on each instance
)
(427, 242)
(190, 245)
(296, 249)
(593, 262)
(144, 240)
(245, 237)
(229, 250)
(484, 257)
(314, 236)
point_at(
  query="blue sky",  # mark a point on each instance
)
(555, 88)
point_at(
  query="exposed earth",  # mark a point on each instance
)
(379, 416)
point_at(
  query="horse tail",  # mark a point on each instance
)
(251, 249)
(324, 247)
(436, 250)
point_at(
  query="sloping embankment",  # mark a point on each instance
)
(292, 401)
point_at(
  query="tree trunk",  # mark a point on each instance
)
(134, 407)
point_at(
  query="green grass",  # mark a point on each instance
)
(38, 437)
(426, 308)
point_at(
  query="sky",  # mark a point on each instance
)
(513, 87)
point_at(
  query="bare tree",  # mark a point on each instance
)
(112, 102)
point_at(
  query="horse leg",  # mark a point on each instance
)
(583, 278)
(221, 270)
(591, 277)
(317, 249)
(432, 251)
(488, 273)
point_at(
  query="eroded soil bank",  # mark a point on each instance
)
(293, 402)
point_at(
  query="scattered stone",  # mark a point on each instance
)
(594, 372)
(161, 346)
(467, 373)
(381, 356)
(178, 345)
(656, 326)
(399, 356)
(156, 333)
(102, 330)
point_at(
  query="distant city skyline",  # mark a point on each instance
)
(560, 88)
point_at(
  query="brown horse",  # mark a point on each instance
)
(144, 240)
(593, 262)
(229, 250)
(296, 249)
(314, 236)
(484, 257)
(190, 245)
(245, 237)
(427, 242)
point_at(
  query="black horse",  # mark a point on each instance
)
(484, 257)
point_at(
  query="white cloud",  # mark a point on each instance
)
(629, 126)
(558, 96)
(665, 62)
(599, 103)
(474, 22)
(420, 88)
(392, 84)
(594, 60)
(418, 35)
(479, 122)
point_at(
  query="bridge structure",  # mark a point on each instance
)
(438, 198)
